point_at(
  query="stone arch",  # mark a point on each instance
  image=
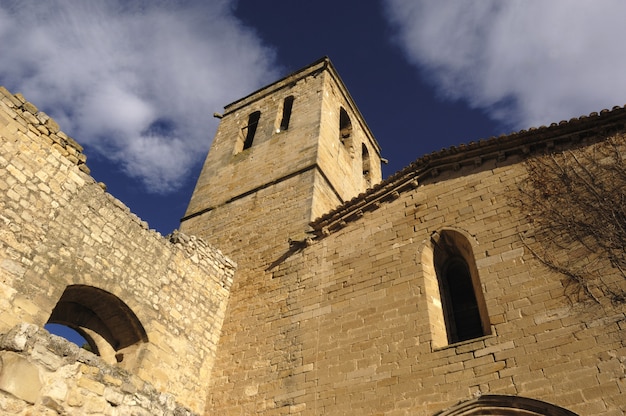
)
(449, 253)
(102, 318)
(503, 405)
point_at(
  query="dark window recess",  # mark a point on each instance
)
(345, 125)
(365, 158)
(460, 305)
(253, 122)
(287, 106)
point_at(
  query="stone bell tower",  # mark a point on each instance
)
(282, 156)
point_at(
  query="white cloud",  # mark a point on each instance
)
(526, 62)
(136, 81)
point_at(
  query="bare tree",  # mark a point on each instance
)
(576, 203)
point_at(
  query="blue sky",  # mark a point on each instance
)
(137, 81)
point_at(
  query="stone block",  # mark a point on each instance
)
(17, 338)
(19, 377)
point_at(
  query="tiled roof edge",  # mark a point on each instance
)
(523, 142)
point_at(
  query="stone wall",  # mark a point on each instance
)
(347, 316)
(45, 374)
(352, 323)
(154, 304)
(287, 177)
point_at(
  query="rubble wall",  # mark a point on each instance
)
(61, 230)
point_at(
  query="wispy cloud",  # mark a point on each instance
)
(136, 81)
(526, 62)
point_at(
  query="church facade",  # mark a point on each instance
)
(301, 282)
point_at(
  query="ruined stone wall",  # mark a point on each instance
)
(59, 229)
(352, 323)
(44, 374)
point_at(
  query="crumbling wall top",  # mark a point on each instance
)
(40, 124)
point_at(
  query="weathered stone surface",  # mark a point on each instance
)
(73, 388)
(351, 320)
(341, 315)
(60, 230)
(19, 377)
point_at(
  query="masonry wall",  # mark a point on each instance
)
(44, 374)
(352, 323)
(256, 204)
(235, 194)
(341, 158)
(228, 172)
(255, 229)
(60, 229)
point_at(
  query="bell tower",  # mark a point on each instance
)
(282, 156)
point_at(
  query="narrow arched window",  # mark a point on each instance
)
(462, 303)
(287, 106)
(345, 126)
(462, 316)
(250, 129)
(365, 160)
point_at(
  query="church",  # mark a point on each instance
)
(302, 282)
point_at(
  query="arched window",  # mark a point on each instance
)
(493, 404)
(98, 316)
(365, 159)
(345, 126)
(462, 301)
(459, 301)
(286, 117)
(250, 129)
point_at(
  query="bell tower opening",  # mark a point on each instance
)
(286, 113)
(345, 126)
(246, 137)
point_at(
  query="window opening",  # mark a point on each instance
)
(71, 335)
(460, 306)
(365, 159)
(253, 122)
(345, 126)
(287, 106)
(463, 312)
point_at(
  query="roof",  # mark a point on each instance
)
(521, 143)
